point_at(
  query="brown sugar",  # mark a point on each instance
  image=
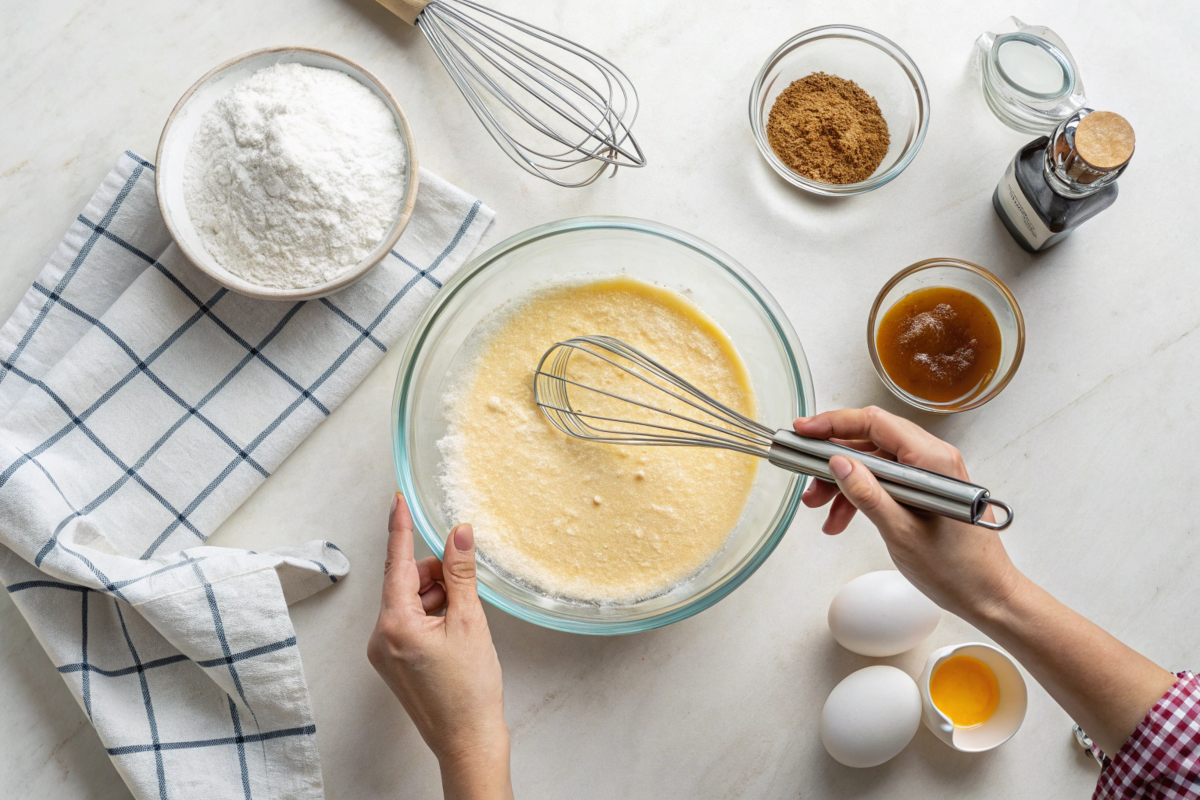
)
(828, 129)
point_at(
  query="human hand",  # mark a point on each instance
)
(444, 670)
(961, 567)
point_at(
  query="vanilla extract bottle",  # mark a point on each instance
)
(1057, 182)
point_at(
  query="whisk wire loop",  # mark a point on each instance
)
(571, 125)
(719, 426)
(716, 440)
(492, 42)
(506, 67)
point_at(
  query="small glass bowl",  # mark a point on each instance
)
(976, 281)
(603, 247)
(878, 65)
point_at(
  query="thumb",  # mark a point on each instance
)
(860, 487)
(458, 572)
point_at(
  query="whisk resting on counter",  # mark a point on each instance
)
(667, 410)
(559, 110)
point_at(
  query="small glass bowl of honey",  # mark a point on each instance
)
(945, 335)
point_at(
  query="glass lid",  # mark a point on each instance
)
(1029, 78)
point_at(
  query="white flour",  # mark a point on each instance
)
(294, 176)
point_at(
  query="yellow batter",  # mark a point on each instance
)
(577, 519)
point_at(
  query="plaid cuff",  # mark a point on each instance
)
(1161, 760)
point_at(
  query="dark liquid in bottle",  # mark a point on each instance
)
(940, 344)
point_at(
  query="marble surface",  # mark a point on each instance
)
(1092, 442)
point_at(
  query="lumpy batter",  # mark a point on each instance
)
(583, 520)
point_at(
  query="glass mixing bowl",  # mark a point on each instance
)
(878, 65)
(603, 247)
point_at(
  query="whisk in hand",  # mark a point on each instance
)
(654, 406)
(559, 110)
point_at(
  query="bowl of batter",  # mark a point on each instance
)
(576, 535)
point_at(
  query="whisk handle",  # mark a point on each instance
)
(407, 10)
(912, 486)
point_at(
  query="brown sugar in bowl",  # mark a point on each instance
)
(828, 129)
(874, 63)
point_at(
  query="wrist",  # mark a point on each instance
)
(1001, 603)
(478, 769)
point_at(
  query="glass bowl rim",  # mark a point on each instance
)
(966, 266)
(800, 375)
(902, 59)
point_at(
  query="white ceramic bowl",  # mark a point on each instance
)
(1000, 727)
(181, 127)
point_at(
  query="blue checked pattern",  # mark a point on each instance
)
(140, 404)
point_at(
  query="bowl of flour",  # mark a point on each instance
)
(286, 173)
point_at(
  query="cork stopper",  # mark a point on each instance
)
(1104, 140)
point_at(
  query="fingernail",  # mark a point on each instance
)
(464, 537)
(802, 420)
(395, 502)
(840, 467)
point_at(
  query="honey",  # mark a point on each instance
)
(940, 344)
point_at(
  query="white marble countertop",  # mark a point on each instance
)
(1093, 441)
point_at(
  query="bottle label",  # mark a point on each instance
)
(1020, 211)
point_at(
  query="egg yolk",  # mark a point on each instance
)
(965, 690)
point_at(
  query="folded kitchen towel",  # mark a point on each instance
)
(140, 404)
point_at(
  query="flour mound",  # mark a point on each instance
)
(294, 176)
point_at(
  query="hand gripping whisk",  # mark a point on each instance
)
(559, 110)
(657, 407)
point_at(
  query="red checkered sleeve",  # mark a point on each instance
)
(1161, 760)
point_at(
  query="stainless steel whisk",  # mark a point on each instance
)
(559, 110)
(703, 421)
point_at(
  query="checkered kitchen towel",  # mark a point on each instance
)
(140, 404)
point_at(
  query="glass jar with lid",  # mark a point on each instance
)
(1029, 77)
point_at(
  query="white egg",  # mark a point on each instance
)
(881, 614)
(870, 716)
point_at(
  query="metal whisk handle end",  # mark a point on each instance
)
(912, 486)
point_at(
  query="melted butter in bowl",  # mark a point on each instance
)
(579, 520)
